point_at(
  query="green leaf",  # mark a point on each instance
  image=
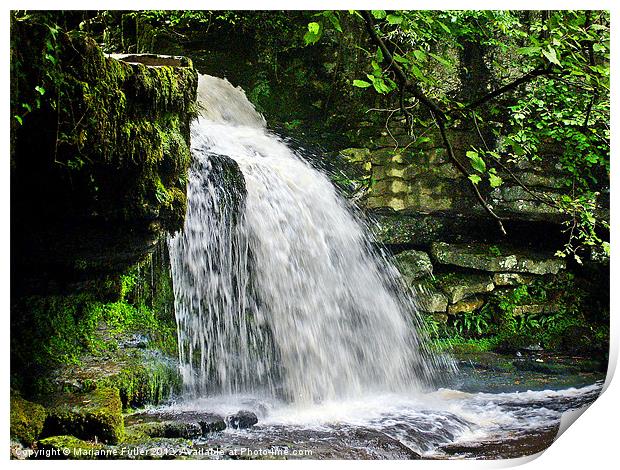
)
(395, 19)
(530, 51)
(378, 14)
(440, 59)
(400, 59)
(379, 55)
(314, 27)
(477, 163)
(474, 179)
(51, 58)
(495, 181)
(334, 21)
(551, 56)
(361, 83)
(419, 55)
(19, 119)
(444, 27)
(40, 89)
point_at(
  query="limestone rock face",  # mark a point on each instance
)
(414, 265)
(115, 183)
(481, 257)
(458, 287)
(466, 305)
(510, 279)
(430, 300)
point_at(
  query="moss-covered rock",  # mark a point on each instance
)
(103, 160)
(170, 429)
(460, 286)
(483, 257)
(69, 447)
(95, 415)
(414, 265)
(27, 420)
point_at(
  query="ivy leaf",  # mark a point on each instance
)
(394, 19)
(40, 89)
(18, 119)
(378, 14)
(361, 83)
(474, 179)
(476, 162)
(551, 56)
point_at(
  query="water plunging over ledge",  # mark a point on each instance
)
(285, 309)
(286, 296)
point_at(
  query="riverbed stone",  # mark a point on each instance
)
(243, 419)
(414, 264)
(466, 305)
(460, 286)
(173, 424)
(27, 420)
(485, 258)
(95, 415)
(168, 429)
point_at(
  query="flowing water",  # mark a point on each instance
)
(284, 307)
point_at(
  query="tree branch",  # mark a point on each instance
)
(537, 72)
(463, 170)
(401, 76)
(439, 114)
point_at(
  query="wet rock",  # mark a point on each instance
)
(460, 286)
(511, 279)
(141, 375)
(467, 305)
(484, 258)
(169, 424)
(414, 265)
(430, 300)
(96, 415)
(242, 420)
(27, 420)
(168, 429)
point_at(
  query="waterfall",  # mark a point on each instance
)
(279, 291)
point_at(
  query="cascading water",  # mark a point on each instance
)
(281, 292)
(284, 308)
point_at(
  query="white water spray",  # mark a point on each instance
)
(281, 293)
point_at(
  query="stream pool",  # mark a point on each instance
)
(488, 410)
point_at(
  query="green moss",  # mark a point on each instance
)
(70, 447)
(27, 419)
(96, 415)
(141, 382)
